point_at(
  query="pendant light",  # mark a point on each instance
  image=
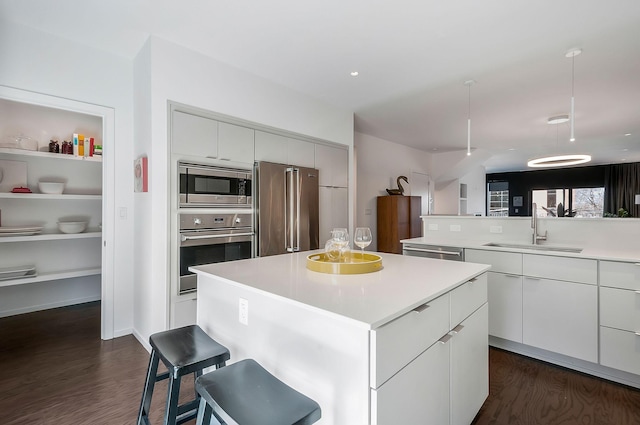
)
(572, 54)
(469, 83)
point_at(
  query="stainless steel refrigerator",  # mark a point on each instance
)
(286, 208)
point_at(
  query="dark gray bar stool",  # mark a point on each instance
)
(183, 351)
(250, 395)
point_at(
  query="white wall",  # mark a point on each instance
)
(476, 190)
(379, 163)
(39, 62)
(181, 75)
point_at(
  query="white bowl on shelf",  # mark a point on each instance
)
(53, 188)
(72, 226)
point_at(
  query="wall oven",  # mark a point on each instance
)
(212, 238)
(203, 185)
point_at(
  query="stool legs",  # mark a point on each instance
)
(145, 404)
(204, 413)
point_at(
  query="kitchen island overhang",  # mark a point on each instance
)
(313, 330)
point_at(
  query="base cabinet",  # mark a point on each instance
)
(505, 301)
(427, 378)
(448, 381)
(561, 317)
(469, 367)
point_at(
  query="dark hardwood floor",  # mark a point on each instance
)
(56, 370)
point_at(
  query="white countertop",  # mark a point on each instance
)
(371, 299)
(589, 251)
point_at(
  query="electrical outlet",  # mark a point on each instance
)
(495, 229)
(367, 211)
(454, 228)
(243, 311)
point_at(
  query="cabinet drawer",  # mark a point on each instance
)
(620, 275)
(398, 342)
(561, 268)
(620, 350)
(502, 262)
(467, 298)
(419, 391)
(620, 309)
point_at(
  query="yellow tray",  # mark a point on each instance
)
(356, 264)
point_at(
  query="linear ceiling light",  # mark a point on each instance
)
(560, 119)
(559, 161)
(572, 54)
(469, 83)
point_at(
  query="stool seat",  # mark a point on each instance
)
(250, 395)
(183, 351)
(188, 349)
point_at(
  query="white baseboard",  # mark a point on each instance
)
(32, 308)
(122, 332)
(141, 340)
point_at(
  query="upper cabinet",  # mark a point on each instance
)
(284, 150)
(271, 147)
(333, 164)
(235, 143)
(194, 135)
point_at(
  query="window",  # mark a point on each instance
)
(498, 199)
(574, 202)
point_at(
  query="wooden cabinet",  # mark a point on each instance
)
(620, 315)
(431, 365)
(398, 218)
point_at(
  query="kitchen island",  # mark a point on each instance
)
(406, 344)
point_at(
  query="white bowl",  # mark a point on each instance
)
(51, 187)
(72, 226)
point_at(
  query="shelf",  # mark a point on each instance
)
(45, 277)
(23, 152)
(51, 237)
(65, 196)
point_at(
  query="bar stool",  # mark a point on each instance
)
(183, 351)
(250, 395)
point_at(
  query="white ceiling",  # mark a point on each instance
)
(413, 58)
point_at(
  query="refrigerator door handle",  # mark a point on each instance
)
(296, 247)
(288, 210)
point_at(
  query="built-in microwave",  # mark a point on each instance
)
(203, 185)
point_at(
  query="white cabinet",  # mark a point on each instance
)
(505, 306)
(333, 164)
(194, 135)
(620, 315)
(561, 317)
(284, 150)
(271, 147)
(505, 291)
(431, 365)
(235, 143)
(333, 210)
(184, 313)
(469, 367)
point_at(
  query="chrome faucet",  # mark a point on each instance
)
(534, 226)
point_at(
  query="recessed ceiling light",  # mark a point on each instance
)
(625, 150)
(354, 73)
(627, 134)
(558, 119)
(512, 149)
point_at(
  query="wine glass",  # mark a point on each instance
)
(362, 238)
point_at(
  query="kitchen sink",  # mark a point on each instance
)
(535, 247)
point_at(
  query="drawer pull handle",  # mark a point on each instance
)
(444, 339)
(473, 279)
(421, 308)
(532, 278)
(513, 275)
(456, 330)
(637, 333)
(637, 292)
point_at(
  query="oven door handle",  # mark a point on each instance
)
(185, 238)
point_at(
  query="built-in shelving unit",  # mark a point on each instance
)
(49, 155)
(44, 277)
(67, 196)
(52, 237)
